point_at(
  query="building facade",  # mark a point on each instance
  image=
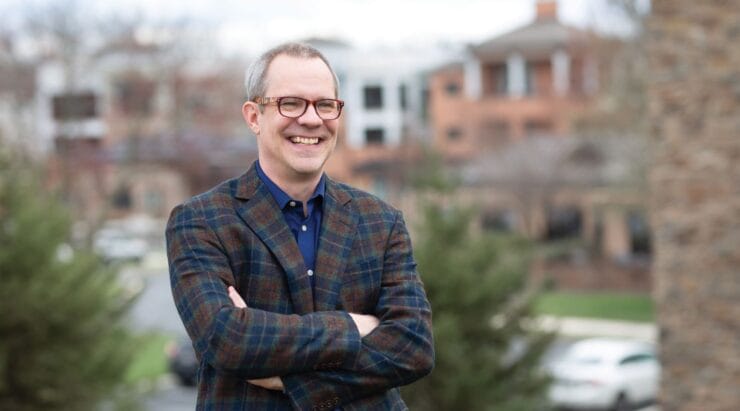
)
(528, 82)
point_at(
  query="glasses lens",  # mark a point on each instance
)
(292, 106)
(328, 109)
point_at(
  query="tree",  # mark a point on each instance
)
(62, 342)
(621, 108)
(486, 355)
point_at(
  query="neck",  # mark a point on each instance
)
(299, 190)
(298, 187)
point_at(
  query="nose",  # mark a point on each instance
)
(310, 117)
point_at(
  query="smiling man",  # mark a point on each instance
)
(298, 292)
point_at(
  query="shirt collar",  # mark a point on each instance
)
(280, 196)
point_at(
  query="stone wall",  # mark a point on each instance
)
(694, 54)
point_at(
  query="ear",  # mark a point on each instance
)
(251, 113)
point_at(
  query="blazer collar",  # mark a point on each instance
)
(338, 231)
(261, 213)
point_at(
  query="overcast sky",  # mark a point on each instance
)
(250, 26)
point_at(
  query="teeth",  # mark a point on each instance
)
(305, 140)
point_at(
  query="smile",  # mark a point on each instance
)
(305, 140)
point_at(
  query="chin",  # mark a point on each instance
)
(309, 167)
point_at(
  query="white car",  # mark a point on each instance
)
(605, 373)
(116, 245)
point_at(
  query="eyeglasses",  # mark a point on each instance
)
(294, 107)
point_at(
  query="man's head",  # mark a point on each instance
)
(292, 149)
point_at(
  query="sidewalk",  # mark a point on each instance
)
(592, 327)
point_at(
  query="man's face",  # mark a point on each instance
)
(293, 150)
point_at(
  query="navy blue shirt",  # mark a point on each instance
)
(305, 228)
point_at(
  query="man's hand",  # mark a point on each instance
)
(365, 323)
(272, 383)
(236, 298)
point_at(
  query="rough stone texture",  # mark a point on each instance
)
(694, 49)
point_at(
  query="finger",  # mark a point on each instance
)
(272, 383)
(236, 298)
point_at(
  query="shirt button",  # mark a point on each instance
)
(292, 203)
(304, 228)
(310, 272)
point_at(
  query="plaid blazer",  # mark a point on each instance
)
(235, 235)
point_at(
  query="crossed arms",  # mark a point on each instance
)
(313, 357)
(365, 325)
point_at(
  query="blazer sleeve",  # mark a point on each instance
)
(399, 351)
(248, 342)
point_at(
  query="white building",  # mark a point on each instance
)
(384, 91)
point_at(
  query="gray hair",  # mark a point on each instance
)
(255, 80)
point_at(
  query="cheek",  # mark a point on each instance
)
(332, 126)
(272, 128)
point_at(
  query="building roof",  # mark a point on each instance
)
(538, 38)
(567, 161)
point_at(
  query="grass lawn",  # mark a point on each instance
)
(150, 361)
(607, 305)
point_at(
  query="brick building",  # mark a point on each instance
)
(504, 117)
(528, 82)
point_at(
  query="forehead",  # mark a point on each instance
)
(299, 76)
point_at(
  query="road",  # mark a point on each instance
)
(154, 310)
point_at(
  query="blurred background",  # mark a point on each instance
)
(536, 148)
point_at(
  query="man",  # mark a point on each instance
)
(298, 292)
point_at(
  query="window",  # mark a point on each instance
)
(637, 359)
(529, 79)
(425, 104)
(121, 198)
(498, 220)
(74, 106)
(454, 133)
(500, 79)
(403, 99)
(135, 95)
(563, 222)
(374, 136)
(452, 88)
(373, 97)
(639, 233)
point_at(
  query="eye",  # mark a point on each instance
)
(326, 105)
(291, 103)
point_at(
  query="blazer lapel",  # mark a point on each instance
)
(338, 229)
(260, 212)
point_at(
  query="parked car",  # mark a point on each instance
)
(182, 361)
(116, 245)
(600, 373)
